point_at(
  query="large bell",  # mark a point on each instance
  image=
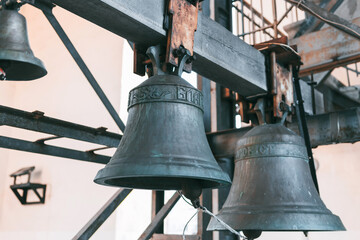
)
(16, 58)
(164, 145)
(272, 188)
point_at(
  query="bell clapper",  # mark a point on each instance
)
(192, 190)
(2, 74)
(252, 234)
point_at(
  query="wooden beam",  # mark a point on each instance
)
(326, 49)
(221, 56)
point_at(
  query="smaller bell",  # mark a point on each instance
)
(272, 188)
(17, 61)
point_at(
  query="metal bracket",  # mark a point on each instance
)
(25, 187)
(282, 58)
(158, 67)
(181, 23)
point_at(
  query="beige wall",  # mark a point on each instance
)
(72, 198)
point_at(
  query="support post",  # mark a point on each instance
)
(159, 218)
(303, 129)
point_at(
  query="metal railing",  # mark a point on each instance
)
(255, 22)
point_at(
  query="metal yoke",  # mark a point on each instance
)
(180, 21)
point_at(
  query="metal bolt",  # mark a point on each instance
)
(179, 52)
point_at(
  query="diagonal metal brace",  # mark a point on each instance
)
(159, 218)
(100, 217)
(47, 10)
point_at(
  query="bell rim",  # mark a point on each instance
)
(24, 58)
(116, 171)
(286, 223)
(214, 183)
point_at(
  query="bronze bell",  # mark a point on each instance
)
(272, 188)
(16, 58)
(164, 145)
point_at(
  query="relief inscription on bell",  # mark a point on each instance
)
(271, 150)
(166, 93)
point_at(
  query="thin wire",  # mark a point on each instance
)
(300, 2)
(241, 236)
(183, 235)
(205, 210)
(324, 19)
(182, 196)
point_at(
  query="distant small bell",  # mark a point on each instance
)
(272, 188)
(164, 145)
(16, 58)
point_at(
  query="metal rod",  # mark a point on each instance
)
(100, 217)
(26, 120)
(273, 73)
(26, 146)
(43, 140)
(253, 22)
(158, 198)
(242, 16)
(313, 102)
(348, 76)
(275, 18)
(79, 61)
(247, 17)
(159, 218)
(256, 30)
(285, 14)
(303, 129)
(97, 149)
(237, 23)
(262, 17)
(328, 17)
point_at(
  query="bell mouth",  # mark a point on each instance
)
(161, 172)
(158, 183)
(21, 66)
(297, 220)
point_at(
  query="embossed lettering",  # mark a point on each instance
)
(158, 93)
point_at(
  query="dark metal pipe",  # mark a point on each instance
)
(324, 129)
